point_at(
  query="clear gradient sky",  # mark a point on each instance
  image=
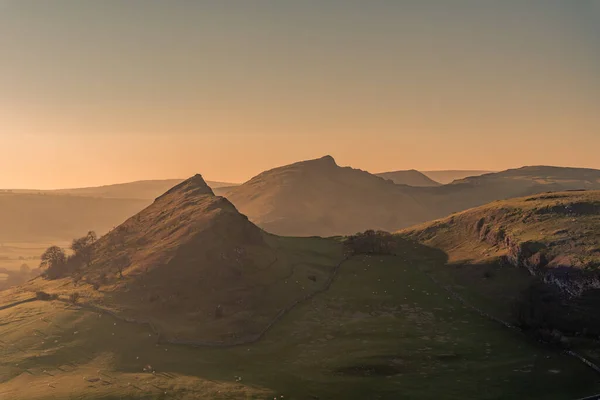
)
(96, 92)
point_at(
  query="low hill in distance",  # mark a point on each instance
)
(479, 190)
(147, 189)
(409, 177)
(44, 218)
(547, 176)
(448, 176)
(32, 216)
(318, 197)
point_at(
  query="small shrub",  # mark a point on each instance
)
(371, 242)
(43, 296)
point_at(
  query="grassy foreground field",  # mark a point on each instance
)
(383, 330)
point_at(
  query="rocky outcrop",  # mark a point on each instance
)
(531, 255)
(536, 257)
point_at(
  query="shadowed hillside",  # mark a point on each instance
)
(410, 177)
(318, 197)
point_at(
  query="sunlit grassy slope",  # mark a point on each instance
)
(484, 245)
(565, 223)
(383, 330)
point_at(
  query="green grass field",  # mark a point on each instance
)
(383, 330)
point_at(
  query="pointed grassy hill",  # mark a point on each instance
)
(195, 268)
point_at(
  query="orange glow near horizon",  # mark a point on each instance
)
(166, 92)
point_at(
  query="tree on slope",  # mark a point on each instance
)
(54, 261)
(82, 247)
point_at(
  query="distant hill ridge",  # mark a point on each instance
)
(543, 172)
(448, 176)
(146, 189)
(307, 198)
(318, 197)
(410, 177)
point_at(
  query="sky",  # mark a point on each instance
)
(99, 92)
